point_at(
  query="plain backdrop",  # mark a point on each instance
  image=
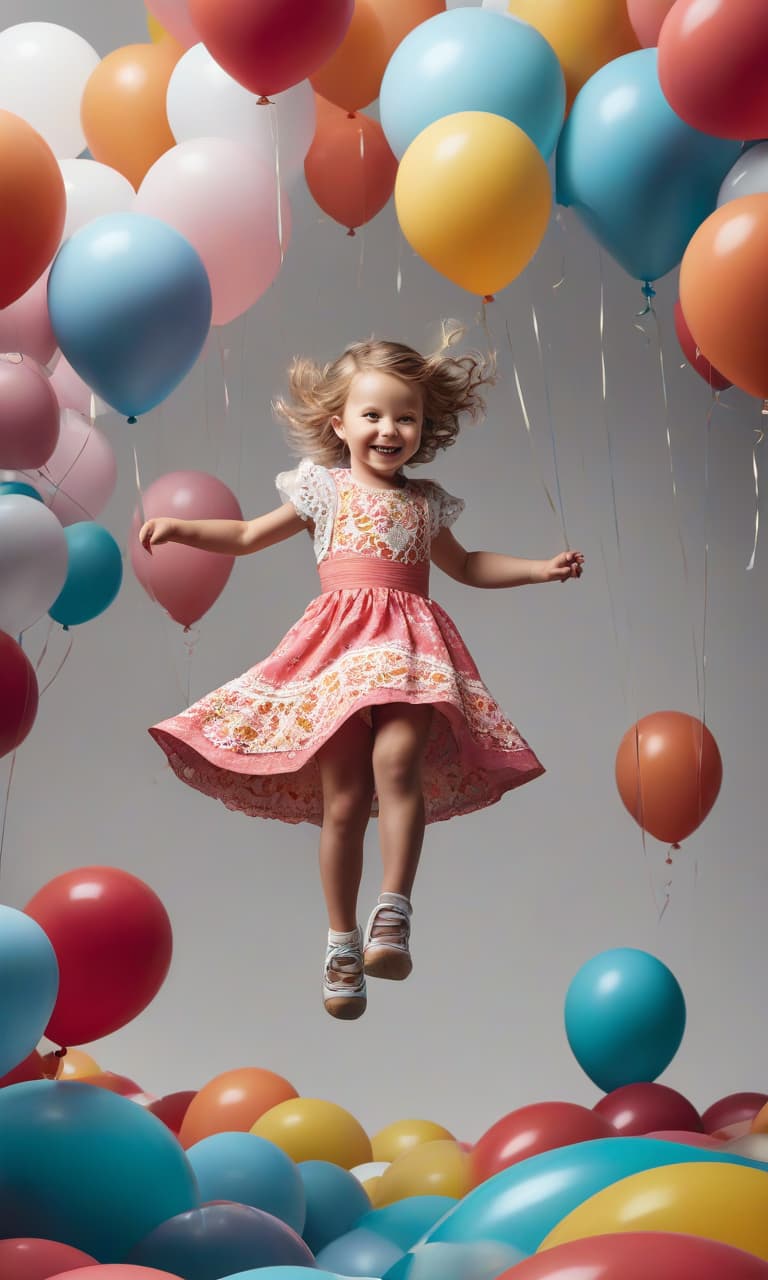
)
(510, 901)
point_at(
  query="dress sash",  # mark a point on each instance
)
(341, 573)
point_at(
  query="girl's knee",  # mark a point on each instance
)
(349, 809)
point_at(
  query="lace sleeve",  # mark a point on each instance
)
(313, 493)
(444, 509)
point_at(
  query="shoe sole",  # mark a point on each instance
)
(346, 1008)
(385, 962)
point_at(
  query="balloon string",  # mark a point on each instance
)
(275, 131)
(399, 271)
(58, 485)
(6, 803)
(527, 422)
(759, 437)
(361, 256)
(560, 223)
(550, 420)
(48, 684)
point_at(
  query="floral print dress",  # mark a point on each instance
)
(373, 636)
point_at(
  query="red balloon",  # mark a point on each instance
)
(269, 45)
(350, 169)
(713, 61)
(641, 1255)
(696, 360)
(18, 694)
(172, 1108)
(636, 1109)
(113, 942)
(113, 1083)
(531, 1130)
(735, 1108)
(24, 1259)
(115, 1271)
(32, 1068)
(668, 772)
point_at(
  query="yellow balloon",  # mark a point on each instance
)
(312, 1129)
(473, 197)
(397, 1138)
(156, 31)
(371, 1189)
(585, 34)
(432, 1169)
(77, 1065)
(725, 1202)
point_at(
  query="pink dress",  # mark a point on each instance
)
(373, 636)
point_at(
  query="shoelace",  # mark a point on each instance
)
(391, 926)
(344, 967)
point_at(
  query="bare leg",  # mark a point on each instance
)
(347, 781)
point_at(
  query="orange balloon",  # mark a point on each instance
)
(33, 205)
(233, 1102)
(585, 34)
(760, 1122)
(76, 1064)
(669, 771)
(350, 169)
(123, 107)
(724, 291)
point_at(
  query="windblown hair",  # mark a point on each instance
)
(450, 387)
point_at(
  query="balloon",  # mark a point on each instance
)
(642, 1107)
(696, 360)
(696, 1199)
(647, 17)
(530, 1130)
(211, 191)
(39, 1259)
(712, 61)
(184, 580)
(349, 168)
(624, 1017)
(81, 473)
(760, 1121)
(635, 1255)
(123, 108)
(203, 102)
(370, 1171)
(748, 177)
(77, 1065)
(639, 177)
(29, 413)
(33, 562)
(173, 18)
(113, 942)
(72, 392)
(130, 304)
(403, 1135)
(29, 979)
(26, 327)
(335, 1202)
(687, 1138)
(30, 1068)
(752, 1145)
(221, 1240)
(232, 1102)
(123, 1085)
(437, 1168)
(172, 1108)
(116, 1271)
(32, 207)
(313, 1129)
(473, 60)
(473, 199)
(584, 36)
(269, 45)
(18, 692)
(724, 291)
(480, 1260)
(94, 574)
(97, 1172)
(733, 1109)
(44, 69)
(359, 1253)
(249, 1170)
(668, 769)
(406, 1221)
(93, 189)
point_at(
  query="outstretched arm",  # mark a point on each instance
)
(489, 569)
(229, 537)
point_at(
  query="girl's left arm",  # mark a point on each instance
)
(489, 569)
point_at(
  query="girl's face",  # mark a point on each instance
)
(381, 425)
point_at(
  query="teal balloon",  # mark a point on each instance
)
(624, 1017)
(284, 1273)
(249, 1170)
(335, 1202)
(406, 1221)
(522, 1204)
(130, 304)
(29, 984)
(474, 1260)
(473, 60)
(18, 486)
(640, 179)
(360, 1253)
(87, 1167)
(94, 574)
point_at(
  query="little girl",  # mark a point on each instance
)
(371, 704)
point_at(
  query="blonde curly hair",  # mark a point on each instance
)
(450, 387)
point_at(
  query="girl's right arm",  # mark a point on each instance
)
(229, 537)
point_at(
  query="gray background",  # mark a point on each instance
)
(510, 901)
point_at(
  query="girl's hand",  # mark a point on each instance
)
(154, 532)
(568, 564)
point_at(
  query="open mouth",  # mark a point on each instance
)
(386, 451)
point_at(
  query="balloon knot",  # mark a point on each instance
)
(60, 1053)
(648, 290)
(264, 101)
(765, 407)
(351, 115)
(351, 231)
(489, 298)
(131, 420)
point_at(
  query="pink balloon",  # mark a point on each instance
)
(26, 326)
(29, 413)
(79, 478)
(115, 1271)
(175, 17)
(184, 580)
(212, 192)
(688, 1138)
(32, 1259)
(647, 17)
(72, 392)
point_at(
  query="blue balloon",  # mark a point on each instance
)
(86, 1167)
(360, 1253)
(474, 1260)
(522, 1204)
(249, 1170)
(624, 1017)
(639, 177)
(94, 574)
(335, 1202)
(473, 60)
(130, 304)
(29, 984)
(406, 1221)
(18, 486)
(220, 1240)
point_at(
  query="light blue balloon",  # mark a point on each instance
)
(130, 304)
(8, 487)
(406, 1221)
(522, 1204)
(29, 984)
(475, 1260)
(624, 1017)
(360, 1253)
(335, 1202)
(94, 574)
(249, 1170)
(640, 179)
(473, 60)
(284, 1273)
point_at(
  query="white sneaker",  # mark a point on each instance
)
(386, 951)
(344, 994)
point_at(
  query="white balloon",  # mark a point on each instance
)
(33, 562)
(475, 1260)
(203, 101)
(44, 69)
(753, 1145)
(496, 6)
(748, 177)
(373, 1169)
(92, 190)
